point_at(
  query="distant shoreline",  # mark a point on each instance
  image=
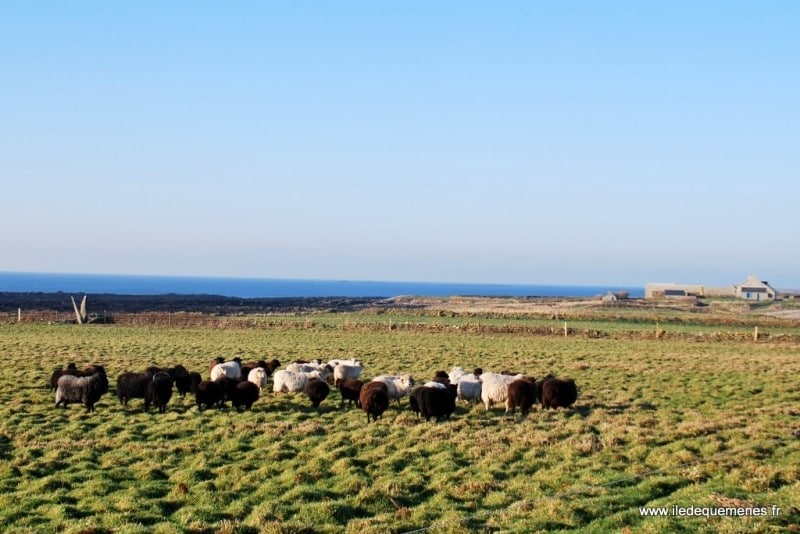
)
(210, 304)
(61, 302)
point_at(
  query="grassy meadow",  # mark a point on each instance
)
(690, 420)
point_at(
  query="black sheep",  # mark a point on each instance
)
(159, 391)
(194, 380)
(209, 393)
(317, 391)
(350, 390)
(84, 389)
(183, 382)
(227, 384)
(244, 394)
(412, 402)
(272, 366)
(558, 393)
(153, 369)
(374, 399)
(132, 386)
(434, 402)
(441, 377)
(522, 395)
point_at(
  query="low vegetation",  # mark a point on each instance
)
(685, 419)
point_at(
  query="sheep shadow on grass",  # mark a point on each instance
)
(585, 410)
(5, 447)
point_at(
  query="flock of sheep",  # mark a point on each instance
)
(242, 383)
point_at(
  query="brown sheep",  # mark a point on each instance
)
(374, 399)
(317, 391)
(522, 394)
(243, 395)
(269, 366)
(350, 390)
(441, 377)
(246, 367)
(558, 393)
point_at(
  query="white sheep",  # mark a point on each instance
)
(495, 387)
(325, 372)
(469, 388)
(258, 376)
(350, 361)
(231, 369)
(292, 382)
(433, 384)
(456, 373)
(398, 386)
(304, 367)
(347, 371)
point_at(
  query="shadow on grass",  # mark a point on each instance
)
(6, 447)
(615, 408)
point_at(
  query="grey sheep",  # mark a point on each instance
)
(84, 389)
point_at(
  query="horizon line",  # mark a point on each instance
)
(327, 280)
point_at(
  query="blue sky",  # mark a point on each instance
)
(543, 142)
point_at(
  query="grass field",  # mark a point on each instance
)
(679, 421)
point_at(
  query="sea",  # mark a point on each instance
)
(280, 287)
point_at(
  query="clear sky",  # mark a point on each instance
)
(542, 142)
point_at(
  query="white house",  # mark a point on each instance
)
(755, 289)
(750, 289)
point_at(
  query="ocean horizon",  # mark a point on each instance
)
(22, 282)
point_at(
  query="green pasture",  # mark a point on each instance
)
(684, 421)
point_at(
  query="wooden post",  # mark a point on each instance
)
(566, 330)
(755, 334)
(19, 315)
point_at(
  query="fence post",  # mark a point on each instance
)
(566, 330)
(755, 334)
(19, 315)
